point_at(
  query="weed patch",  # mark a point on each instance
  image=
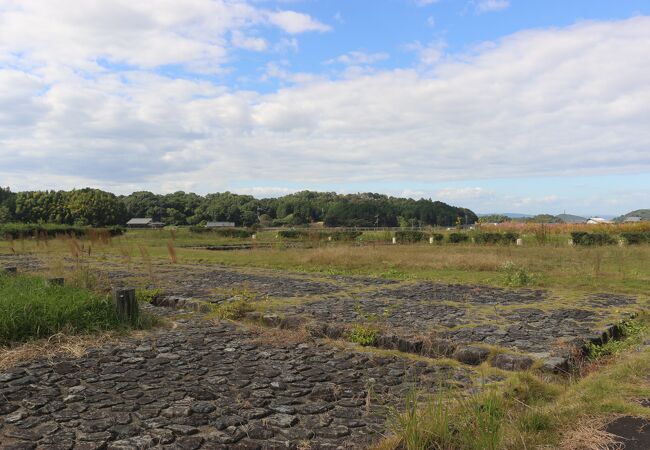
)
(30, 308)
(363, 335)
(516, 276)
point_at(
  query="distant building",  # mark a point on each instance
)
(598, 220)
(220, 225)
(141, 222)
(632, 219)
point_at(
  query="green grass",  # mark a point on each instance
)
(531, 410)
(32, 309)
(363, 335)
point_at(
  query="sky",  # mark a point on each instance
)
(528, 106)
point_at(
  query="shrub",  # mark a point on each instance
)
(457, 238)
(510, 237)
(343, 235)
(22, 230)
(224, 232)
(636, 238)
(437, 237)
(293, 234)
(496, 238)
(409, 236)
(590, 239)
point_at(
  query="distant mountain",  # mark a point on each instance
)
(644, 214)
(570, 218)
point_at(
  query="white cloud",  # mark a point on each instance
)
(463, 194)
(140, 34)
(425, 2)
(491, 5)
(569, 101)
(359, 58)
(248, 42)
(265, 191)
(428, 54)
(293, 22)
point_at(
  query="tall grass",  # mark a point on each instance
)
(30, 308)
(448, 422)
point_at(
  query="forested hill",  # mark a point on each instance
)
(99, 208)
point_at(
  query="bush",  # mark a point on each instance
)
(293, 234)
(22, 230)
(409, 236)
(341, 235)
(437, 237)
(457, 238)
(30, 308)
(636, 238)
(590, 239)
(496, 238)
(510, 237)
(224, 232)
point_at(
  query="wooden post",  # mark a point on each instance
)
(56, 281)
(11, 270)
(126, 304)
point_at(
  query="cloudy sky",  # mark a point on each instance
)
(498, 105)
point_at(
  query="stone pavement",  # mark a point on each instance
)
(211, 386)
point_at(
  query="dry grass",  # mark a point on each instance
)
(56, 345)
(277, 337)
(589, 434)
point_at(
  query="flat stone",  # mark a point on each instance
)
(506, 361)
(472, 355)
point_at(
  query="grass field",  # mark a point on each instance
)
(527, 410)
(554, 265)
(30, 308)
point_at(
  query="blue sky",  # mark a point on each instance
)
(497, 105)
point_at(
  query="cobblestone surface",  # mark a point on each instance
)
(208, 386)
(477, 295)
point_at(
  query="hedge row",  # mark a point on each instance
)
(20, 230)
(340, 235)
(636, 238)
(508, 237)
(590, 239)
(225, 232)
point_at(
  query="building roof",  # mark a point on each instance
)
(594, 220)
(139, 221)
(632, 219)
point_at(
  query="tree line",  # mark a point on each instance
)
(100, 208)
